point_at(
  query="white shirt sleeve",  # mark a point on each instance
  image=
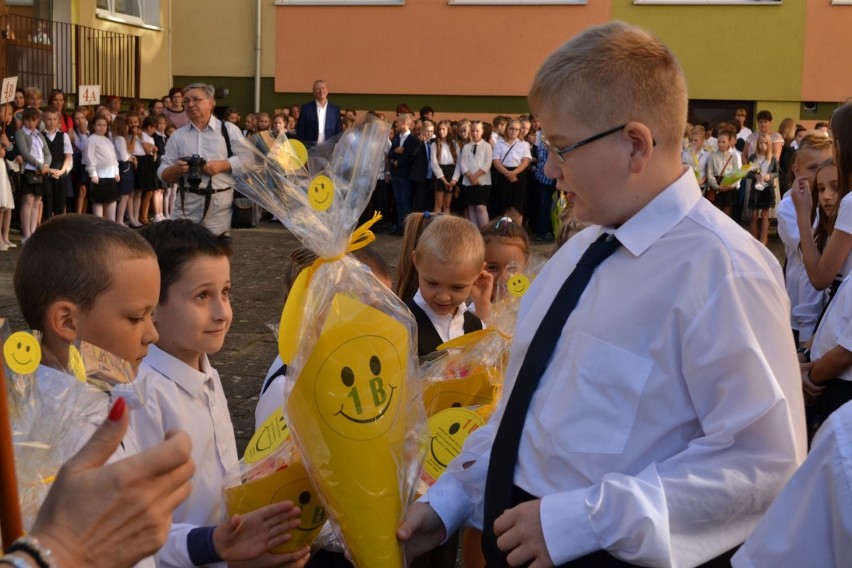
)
(810, 523)
(844, 215)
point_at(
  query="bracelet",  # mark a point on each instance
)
(33, 548)
(14, 561)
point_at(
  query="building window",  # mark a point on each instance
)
(711, 2)
(144, 13)
(515, 2)
(339, 2)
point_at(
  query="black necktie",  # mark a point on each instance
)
(504, 451)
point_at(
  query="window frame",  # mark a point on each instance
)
(339, 2)
(149, 10)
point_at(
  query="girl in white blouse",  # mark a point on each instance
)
(102, 167)
(474, 170)
(512, 156)
(445, 152)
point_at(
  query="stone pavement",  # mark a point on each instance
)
(256, 297)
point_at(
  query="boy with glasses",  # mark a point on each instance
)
(651, 407)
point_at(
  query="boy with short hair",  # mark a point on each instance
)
(56, 181)
(182, 391)
(655, 422)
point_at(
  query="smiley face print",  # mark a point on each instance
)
(518, 285)
(448, 431)
(22, 353)
(356, 390)
(321, 193)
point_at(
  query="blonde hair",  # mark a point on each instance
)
(768, 153)
(452, 240)
(406, 277)
(639, 76)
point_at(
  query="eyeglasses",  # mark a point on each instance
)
(191, 100)
(559, 153)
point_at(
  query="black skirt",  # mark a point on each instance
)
(514, 193)
(448, 170)
(144, 176)
(105, 191)
(475, 194)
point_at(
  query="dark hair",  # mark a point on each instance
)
(72, 257)
(824, 223)
(31, 113)
(175, 90)
(150, 120)
(505, 230)
(819, 125)
(764, 115)
(176, 242)
(426, 110)
(376, 263)
(841, 131)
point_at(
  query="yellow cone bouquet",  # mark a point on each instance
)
(464, 378)
(353, 401)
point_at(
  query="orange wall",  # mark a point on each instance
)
(828, 44)
(476, 50)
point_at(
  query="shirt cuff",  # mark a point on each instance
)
(450, 501)
(199, 544)
(566, 527)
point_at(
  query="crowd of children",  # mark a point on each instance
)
(685, 400)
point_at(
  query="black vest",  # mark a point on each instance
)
(428, 339)
(57, 149)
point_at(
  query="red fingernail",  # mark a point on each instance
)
(117, 410)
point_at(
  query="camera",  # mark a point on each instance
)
(195, 163)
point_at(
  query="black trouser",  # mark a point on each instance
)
(55, 196)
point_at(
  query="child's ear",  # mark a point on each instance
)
(414, 258)
(642, 142)
(61, 320)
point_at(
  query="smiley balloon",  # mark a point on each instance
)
(321, 192)
(346, 410)
(22, 353)
(518, 285)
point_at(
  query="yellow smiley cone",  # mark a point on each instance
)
(448, 431)
(288, 484)
(346, 408)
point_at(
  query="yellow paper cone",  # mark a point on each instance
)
(288, 484)
(347, 407)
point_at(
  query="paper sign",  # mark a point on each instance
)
(89, 95)
(10, 84)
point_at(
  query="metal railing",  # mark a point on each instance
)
(57, 55)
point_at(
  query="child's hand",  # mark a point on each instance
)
(44, 169)
(251, 536)
(399, 149)
(511, 176)
(95, 180)
(519, 533)
(296, 559)
(801, 194)
(481, 294)
(421, 530)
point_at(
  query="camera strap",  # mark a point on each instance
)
(208, 191)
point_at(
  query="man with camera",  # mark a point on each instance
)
(201, 158)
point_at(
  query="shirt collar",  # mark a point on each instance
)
(659, 216)
(187, 378)
(420, 301)
(212, 124)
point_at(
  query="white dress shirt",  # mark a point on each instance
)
(844, 223)
(448, 326)
(445, 159)
(100, 157)
(836, 326)
(806, 302)
(512, 153)
(180, 397)
(810, 523)
(321, 112)
(671, 413)
(210, 145)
